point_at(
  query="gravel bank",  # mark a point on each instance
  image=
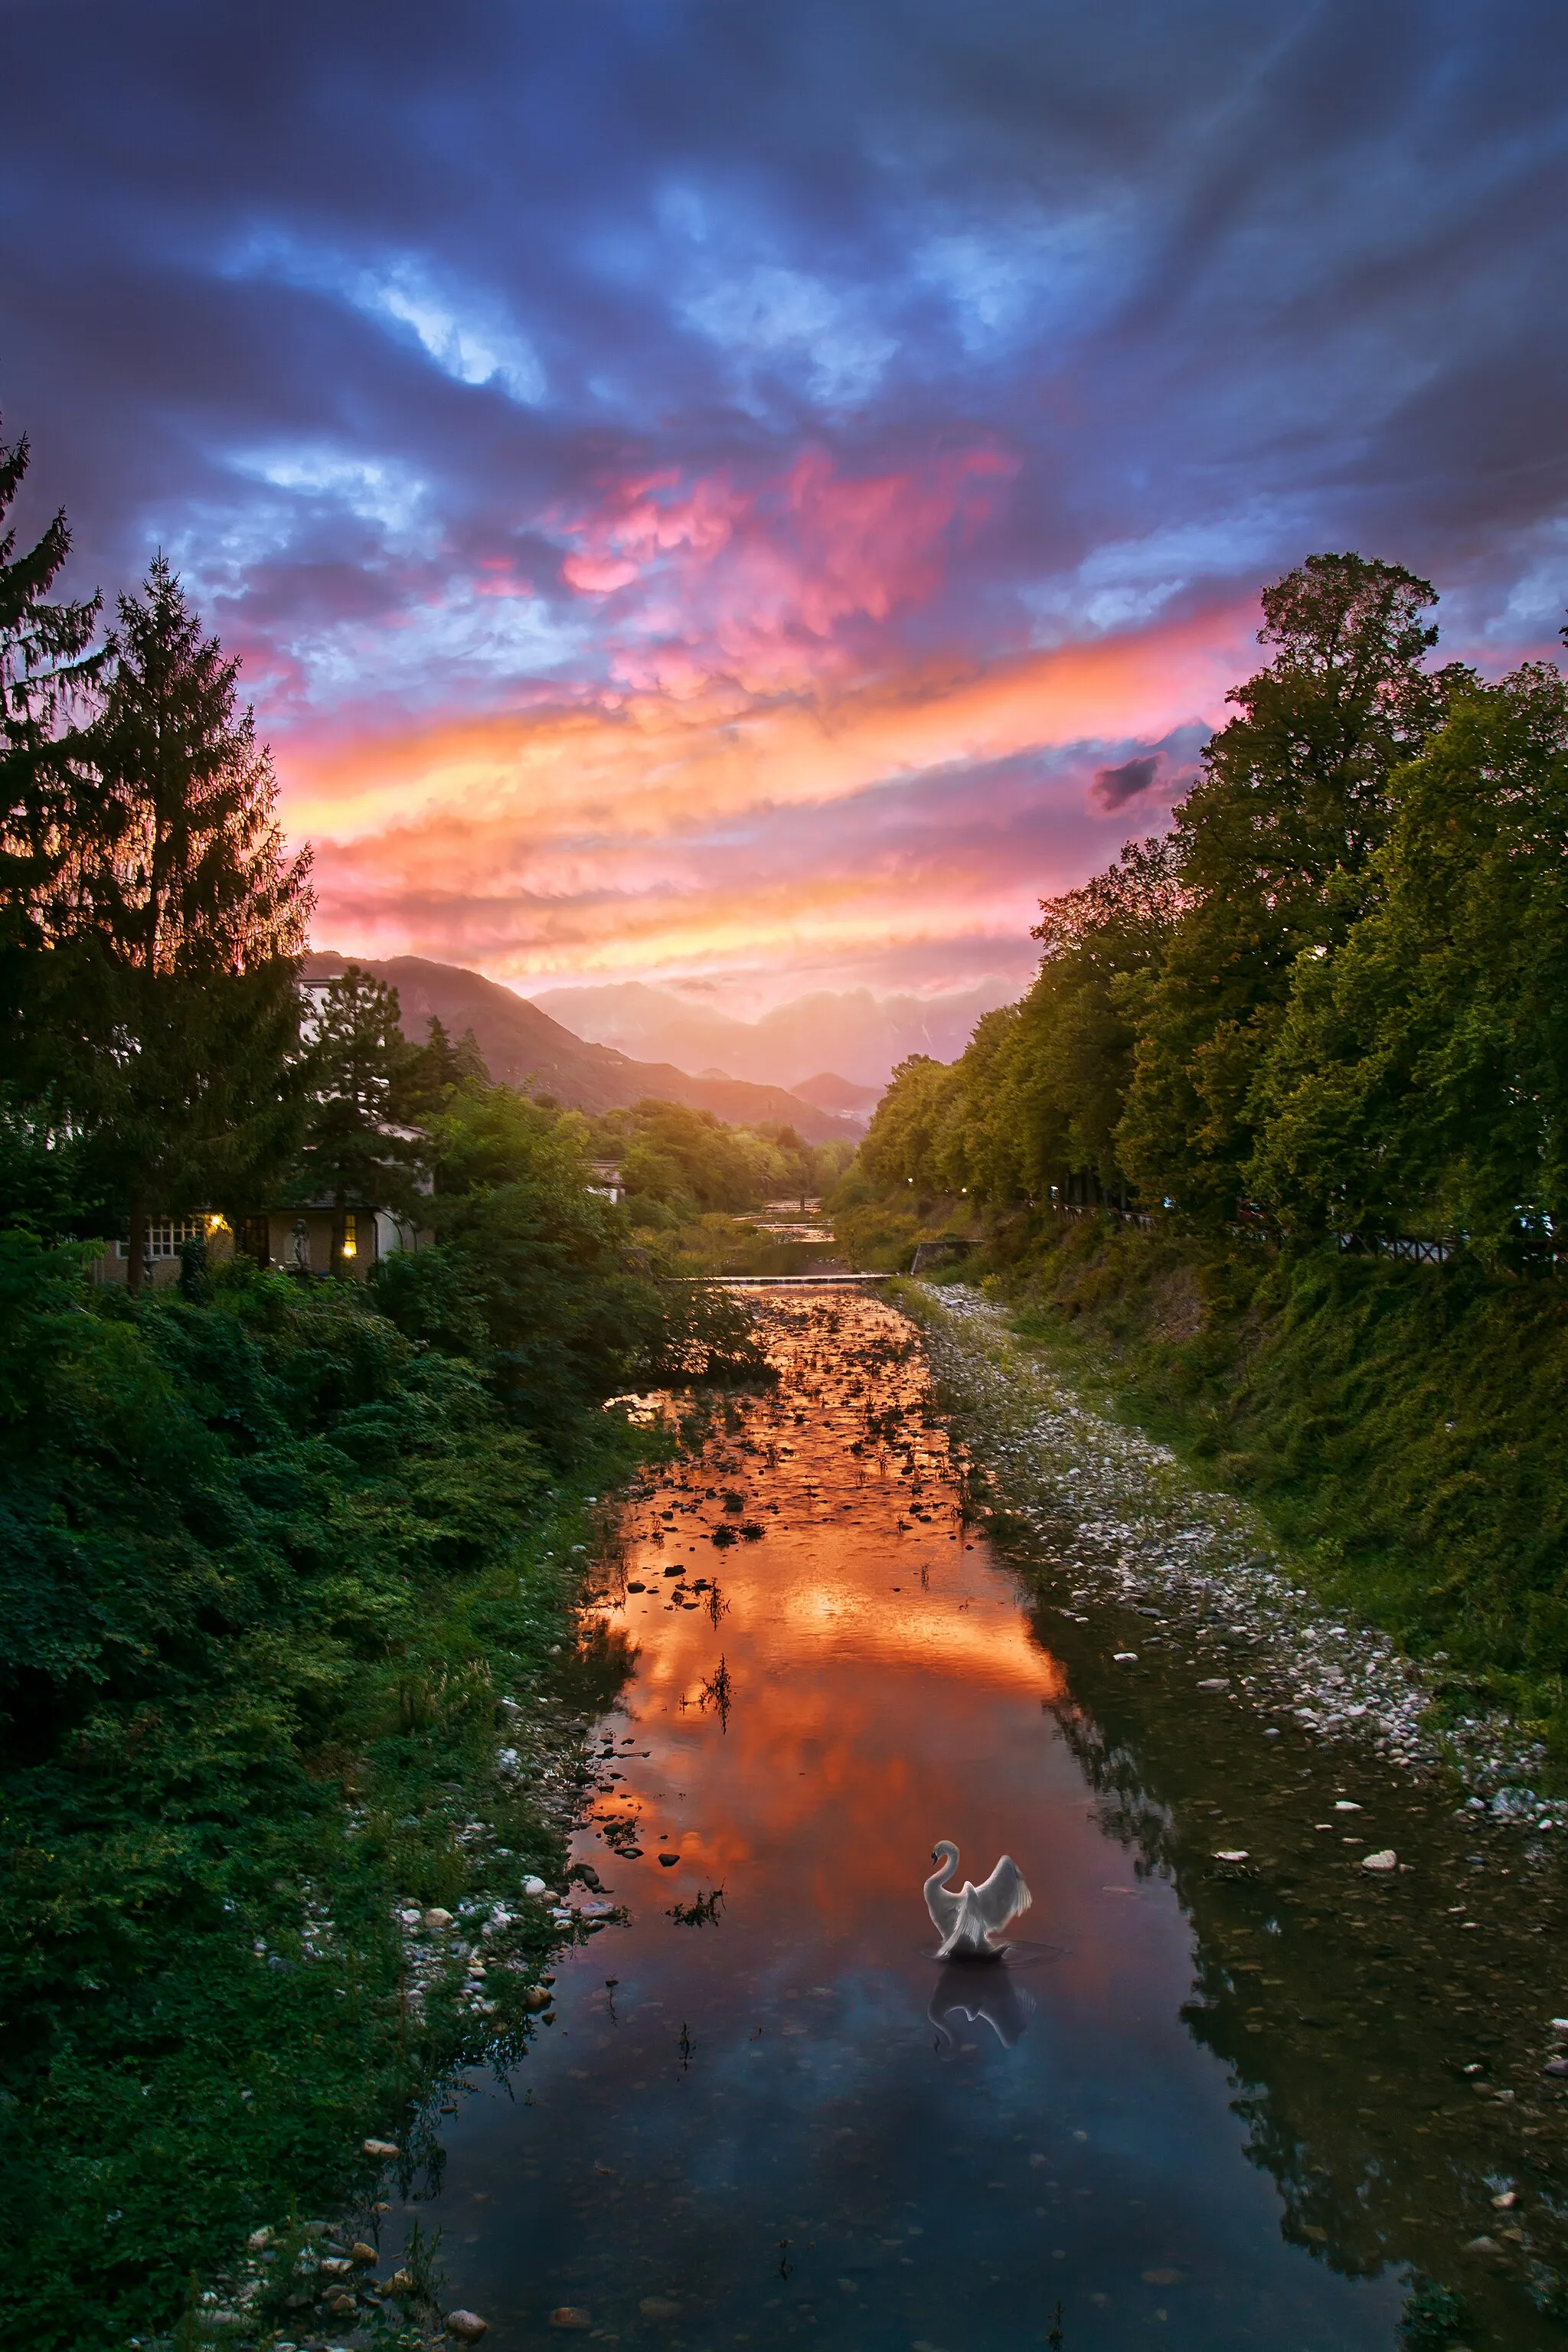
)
(1127, 1520)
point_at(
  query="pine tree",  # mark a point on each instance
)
(199, 1100)
(361, 1147)
(48, 811)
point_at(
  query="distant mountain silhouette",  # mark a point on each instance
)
(846, 1033)
(525, 1048)
(828, 1091)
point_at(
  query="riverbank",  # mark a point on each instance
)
(296, 1692)
(1136, 1526)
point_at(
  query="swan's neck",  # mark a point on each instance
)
(944, 1869)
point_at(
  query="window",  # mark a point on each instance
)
(165, 1235)
(351, 1233)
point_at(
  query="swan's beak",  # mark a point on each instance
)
(934, 1855)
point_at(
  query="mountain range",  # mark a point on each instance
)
(849, 1035)
(524, 1048)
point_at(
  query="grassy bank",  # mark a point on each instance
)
(283, 1587)
(1399, 1426)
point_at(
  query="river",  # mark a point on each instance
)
(763, 2114)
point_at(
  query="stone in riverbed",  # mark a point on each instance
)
(438, 1918)
(383, 2150)
(360, 2252)
(1386, 1859)
(572, 2316)
(466, 2326)
(1214, 1682)
(660, 2307)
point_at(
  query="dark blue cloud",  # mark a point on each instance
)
(355, 309)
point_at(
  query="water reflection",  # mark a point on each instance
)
(1157, 2137)
(979, 1992)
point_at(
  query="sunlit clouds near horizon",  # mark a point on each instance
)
(751, 497)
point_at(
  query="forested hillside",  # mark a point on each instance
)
(1281, 1129)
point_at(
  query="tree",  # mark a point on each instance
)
(47, 672)
(1420, 1077)
(194, 1099)
(361, 1148)
(1069, 1066)
(437, 1069)
(1272, 845)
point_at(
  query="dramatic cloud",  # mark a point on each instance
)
(1114, 787)
(756, 496)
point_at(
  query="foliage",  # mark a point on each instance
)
(46, 666)
(1421, 1076)
(678, 1164)
(265, 1562)
(360, 1072)
(1332, 998)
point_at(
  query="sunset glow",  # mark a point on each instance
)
(754, 505)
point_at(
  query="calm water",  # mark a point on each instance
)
(787, 2123)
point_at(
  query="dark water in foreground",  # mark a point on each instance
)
(787, 2122)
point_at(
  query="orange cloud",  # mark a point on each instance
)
(614, 839)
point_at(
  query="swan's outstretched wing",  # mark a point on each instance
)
(1003, 1895)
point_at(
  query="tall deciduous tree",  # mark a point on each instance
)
(1272, 844)
(199, 1099)
(1420, 1078)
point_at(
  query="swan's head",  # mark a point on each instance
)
(944, 1851)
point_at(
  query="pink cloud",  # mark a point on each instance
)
(770, 584)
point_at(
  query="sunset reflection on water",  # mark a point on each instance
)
(791, 2123)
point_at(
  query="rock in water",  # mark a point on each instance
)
(466, 2326)
(571, 2314)
(382, 2149)
(660, 2307)
(1386, 1859)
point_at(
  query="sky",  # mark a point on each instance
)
(751, 497)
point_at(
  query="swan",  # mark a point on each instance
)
(968, 1921)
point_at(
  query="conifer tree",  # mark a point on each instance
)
(48, 817)
(203, 915)
(361, 1148)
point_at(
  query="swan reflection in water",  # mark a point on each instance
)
(968, 1996)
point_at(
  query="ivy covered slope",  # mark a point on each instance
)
(270, 1568)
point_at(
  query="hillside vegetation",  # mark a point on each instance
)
(290, 1565)
(1324, 1018)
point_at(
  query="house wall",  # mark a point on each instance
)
(377, 1234)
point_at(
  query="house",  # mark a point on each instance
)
(605, 1178)
(295, 1240)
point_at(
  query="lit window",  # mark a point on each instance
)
(350, 1235)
